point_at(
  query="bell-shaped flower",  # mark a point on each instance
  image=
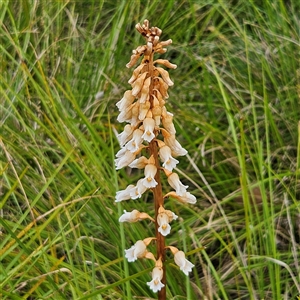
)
(180, 260)
(149, 125)
(138, 190)
(134, 144)
(184, 265)
(139, 163)
(138, 250)
(124, 194)
(155, 284)
(134, 216)
(164, 217)
(126, 114)
(125, 136)
(175, 146)
(176, 184)
(150, 172)
(124, 158)
(168, 161)
(126, 101)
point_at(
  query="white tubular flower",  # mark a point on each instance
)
(149, 125)
(126, 114)
(149, 181)
(126, 101)
(155, 284)
(138, 190)
(184, 265)
(168, 161)
(122, 161)
(125, 136)
(138, 250)
(134, 144)
(176, 148)
(176, 184)
(124, 194)
(134, 216)
(163, 222)
(139, 163)
(164, 217)
(184, 198)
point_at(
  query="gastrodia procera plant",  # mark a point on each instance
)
(149, 143)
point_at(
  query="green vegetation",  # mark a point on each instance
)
(236, 110)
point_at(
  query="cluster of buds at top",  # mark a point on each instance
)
(148, 142)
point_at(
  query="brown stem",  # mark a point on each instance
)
(157, 193)
(159, 201)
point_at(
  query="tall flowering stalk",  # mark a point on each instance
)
(148, 142)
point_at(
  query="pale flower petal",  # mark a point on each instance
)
(138, 250)
(155, 284)
(167, 121)
(125, 136)
(176, 184)
(138, 84)
(168, 161)
(164, 217)
(134, 216)
(126, 114)
(163, 222)
(126, 101)
(184, 265)
(145, 91)
(139, 163)
(176, 148)
(134, 144)
(124, 160)
(124, 194)
(138, 190)
(149, 125)
(129, 216)
(165, 75)
(149, 181)
(184, 198)
(135, 73)
(143, 110)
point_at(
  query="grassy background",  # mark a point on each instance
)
(236, 107)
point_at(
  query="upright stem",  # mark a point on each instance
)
(157, 193)
(159, 201)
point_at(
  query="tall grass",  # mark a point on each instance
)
(236, 108)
